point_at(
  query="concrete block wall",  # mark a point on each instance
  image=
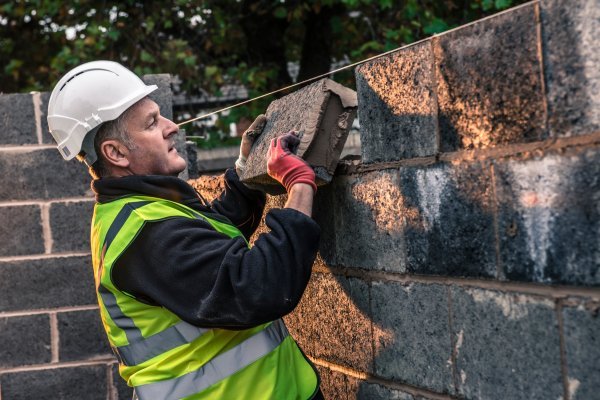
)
(52, 344)
(460, 258)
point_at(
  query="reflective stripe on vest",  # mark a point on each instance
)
(160, 354)
(219, 368)
(140, 349)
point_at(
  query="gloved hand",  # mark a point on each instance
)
(248, 138)
(285, 167)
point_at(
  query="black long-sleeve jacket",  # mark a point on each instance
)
(203, 276)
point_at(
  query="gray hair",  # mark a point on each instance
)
(112, 130)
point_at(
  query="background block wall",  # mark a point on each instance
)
(52, 344)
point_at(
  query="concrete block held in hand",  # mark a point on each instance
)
(322, 113)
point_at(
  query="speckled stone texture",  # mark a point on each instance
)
(331, 321)
(506, 345)
(82, 336)
(322, 113)
(571, 52)
(68, 383)
(70, 225)
(582, 348)
(411, 334)
(436, 219)
(41, 174)
(21, 230)
(489, 82)
(46, 283)
(17, 120)
(397, 106)
(548, 218)
(25, 340)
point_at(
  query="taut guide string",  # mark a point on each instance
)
(296, 84)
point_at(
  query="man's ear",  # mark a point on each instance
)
(115, 153)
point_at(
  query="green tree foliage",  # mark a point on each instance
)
(212, 43)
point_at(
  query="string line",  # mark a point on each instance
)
(300, 83)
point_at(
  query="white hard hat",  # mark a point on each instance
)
(87, 96)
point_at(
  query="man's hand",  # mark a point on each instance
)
(286, 167)
(248, 139)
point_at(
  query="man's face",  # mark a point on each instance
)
(153, 136)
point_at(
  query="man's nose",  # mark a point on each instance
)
(170, 128)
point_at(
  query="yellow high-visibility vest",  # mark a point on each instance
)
(165, 358)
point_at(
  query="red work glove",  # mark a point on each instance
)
(285, 167)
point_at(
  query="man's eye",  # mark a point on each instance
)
(154, 120)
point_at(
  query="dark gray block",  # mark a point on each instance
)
(24, 340)
(46, 136)
(17, 119)
(21, 230)
(571, 53)
(582, 348)
(82, 336)
(41, 174)
(70, 226)
(123, 392)
(449, 224)
(489, 82)
(412, 338)
(331, 323)
(46, 283)
(506, 345)
(549, 218)
(397, 106)
(85, 382)
(322, 113)
(432, 220)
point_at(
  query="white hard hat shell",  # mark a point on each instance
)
(88, 95)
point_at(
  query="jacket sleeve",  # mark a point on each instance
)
(211, 280)
(242, 206)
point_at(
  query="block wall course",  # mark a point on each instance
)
(41, 174)
(17, 120)
(571, 57)
(46, 283)
(489, 84)
(582, 349)
(24, 340)
(70, 226)
(548, 216)
(506, 345)
(331, 321)
(21, 230)
(86, 382)
(397, 105)
(411, 334)
(436, 219)
(82, 336)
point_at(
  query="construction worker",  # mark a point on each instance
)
(190, 310)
